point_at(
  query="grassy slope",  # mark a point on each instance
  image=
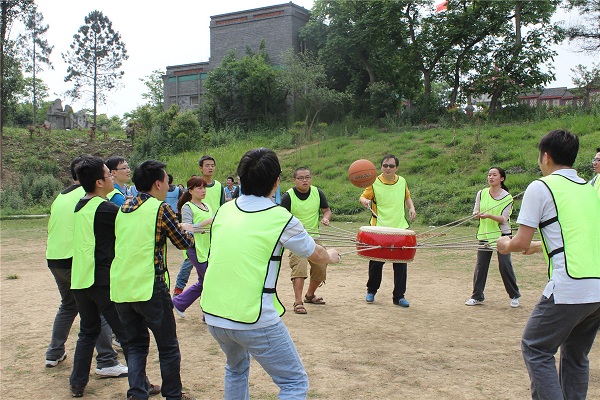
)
(443, 177)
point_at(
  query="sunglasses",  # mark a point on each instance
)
(388, 165)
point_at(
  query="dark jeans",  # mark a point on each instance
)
(155, 314)
(506, 272)
(67, 311)
(375, 273)
(92, 303)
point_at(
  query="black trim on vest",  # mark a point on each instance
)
(556, 251)
(268, 290)
(548, 222)
(276, 258)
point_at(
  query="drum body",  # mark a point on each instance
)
(397, 245)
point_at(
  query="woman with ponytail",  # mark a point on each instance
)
(199, 215)
(493, 207)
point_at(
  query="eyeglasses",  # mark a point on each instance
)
(596, 160)
(388, 165)
(303, 178)
(123, 169)
(110, 176)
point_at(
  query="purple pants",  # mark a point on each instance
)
(192, 293)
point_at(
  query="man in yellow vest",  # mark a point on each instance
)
(215, 198)
(387, 198)
(241, 306)
(59, 256)
(139, 278)
(93, 252)
(595, 182)
(305, 201)
(566, 211)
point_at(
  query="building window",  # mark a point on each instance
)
(193, 100)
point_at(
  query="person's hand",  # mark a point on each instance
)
(484, 215)
(502, 244)
(187, 227)
(366, 203)
(412, 213)
(334, 255)
(534, 247)
(325, 221)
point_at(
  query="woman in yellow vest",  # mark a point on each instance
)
(199, 215)
(493, 207)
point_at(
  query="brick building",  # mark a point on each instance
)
(277, 25)
(555, 97)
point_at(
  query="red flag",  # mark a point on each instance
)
(442, 6)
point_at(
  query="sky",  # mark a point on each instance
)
(158, 35)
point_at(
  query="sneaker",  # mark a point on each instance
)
(177, 291)
(402, 302)
(178, 312)
(116, 371)
(54, 363)
(77, 391)
(514, 303)
(370, 297)
(473, 302)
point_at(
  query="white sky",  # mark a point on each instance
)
(158, 34)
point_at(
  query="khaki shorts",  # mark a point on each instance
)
(299, 266)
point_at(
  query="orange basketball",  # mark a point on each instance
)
(362, 173)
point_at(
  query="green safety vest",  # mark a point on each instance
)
(307, 211)
(390, 203)
(213, 196)
(239, 261)
(578, 213)
(60, 225)
(132, 271)
(202, 239)
(489, 230)
(84, 245)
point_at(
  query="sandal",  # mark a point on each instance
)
(299, 308)
(313, 299)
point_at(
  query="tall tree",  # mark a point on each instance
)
(10, 10)
(586, 80)
(586, 31)
(154, 89)
(96, 56)
(37, 52)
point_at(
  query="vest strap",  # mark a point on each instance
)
(548, 222)
(275, 258)
(556, 251)
(269, 290)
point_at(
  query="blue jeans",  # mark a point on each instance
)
(67, 311)
(184, 274)
(273, 348)
(570, 327)
(155, 314)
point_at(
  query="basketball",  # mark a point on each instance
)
(362, 173)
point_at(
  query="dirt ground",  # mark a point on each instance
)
(436, 349)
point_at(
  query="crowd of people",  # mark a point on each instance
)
(106, 251)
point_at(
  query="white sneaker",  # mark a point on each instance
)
(473, 302)
(117, 371)
(54, 363)
(179, 312)
(514, 303)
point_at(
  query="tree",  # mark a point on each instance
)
(155, 89)
(586, 80)
(37, 51)
(586, 32)
(96, 56)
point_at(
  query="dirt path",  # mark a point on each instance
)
(436, 349)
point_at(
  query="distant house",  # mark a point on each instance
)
(556, 97)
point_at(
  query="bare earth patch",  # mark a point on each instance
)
(436, 349)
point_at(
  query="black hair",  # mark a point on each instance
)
(502, 173)
(295, 173)
(391, 156)
(231, 177)
(204, 158)
(74, 163)
(561, 145)
(194, 182)
(170, 178)
(258, 171)
(89, 170)
(597, 149)
(113, 162)
(147, 173)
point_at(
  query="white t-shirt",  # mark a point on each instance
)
(538, 206)
(294, 238)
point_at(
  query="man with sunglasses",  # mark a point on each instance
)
(387, 199)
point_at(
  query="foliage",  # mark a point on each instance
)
(586, 31)
(155, 91)
(586, 80)
(96, 56)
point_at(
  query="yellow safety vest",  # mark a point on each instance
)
(202, 239)
(389, 199)
(60, 225)
(307, 211)
(84, 245)
(489, 230)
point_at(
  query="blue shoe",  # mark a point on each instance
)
(402, 302)
(370, 297)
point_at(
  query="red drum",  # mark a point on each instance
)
(396, 245)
